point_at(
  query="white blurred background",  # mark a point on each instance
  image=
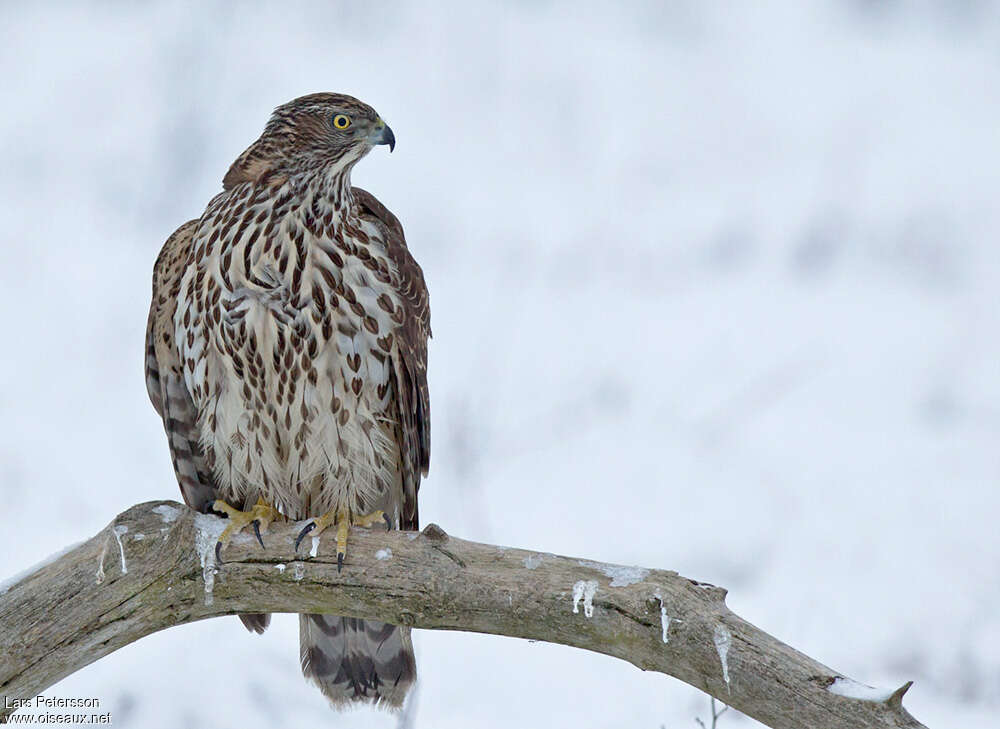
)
(714, 288)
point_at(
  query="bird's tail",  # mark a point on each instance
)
(353, 660)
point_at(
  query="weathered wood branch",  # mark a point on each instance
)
(154, 567)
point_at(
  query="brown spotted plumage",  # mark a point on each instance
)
(286, 352)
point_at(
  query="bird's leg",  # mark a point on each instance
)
(259, 517)
(344, 519)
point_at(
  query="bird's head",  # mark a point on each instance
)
(314, 134)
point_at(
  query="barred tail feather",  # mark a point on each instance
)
(353, 660)
(256, 622)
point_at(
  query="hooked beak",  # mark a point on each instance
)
(382, 134)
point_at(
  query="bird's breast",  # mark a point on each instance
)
(287, 344)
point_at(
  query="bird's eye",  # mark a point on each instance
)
(341, 122)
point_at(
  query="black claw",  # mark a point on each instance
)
(256, 531)
(388, 522)
(218, 552)
(340, 561)
(302, 535)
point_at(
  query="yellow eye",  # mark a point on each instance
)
(341, 122)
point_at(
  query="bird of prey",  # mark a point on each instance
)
(286, 351)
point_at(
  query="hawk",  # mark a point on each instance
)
(286, 351)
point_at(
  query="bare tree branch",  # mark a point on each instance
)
(154, 567)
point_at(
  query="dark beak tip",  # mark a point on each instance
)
(387, 137)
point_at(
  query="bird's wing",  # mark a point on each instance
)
(164, 373)
(409, 354)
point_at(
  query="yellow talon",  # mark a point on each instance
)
(259, 517)
(343, 518)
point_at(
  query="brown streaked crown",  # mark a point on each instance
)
(300, 137)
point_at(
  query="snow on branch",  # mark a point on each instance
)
(154, 567)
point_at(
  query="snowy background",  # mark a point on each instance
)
(714, 289)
